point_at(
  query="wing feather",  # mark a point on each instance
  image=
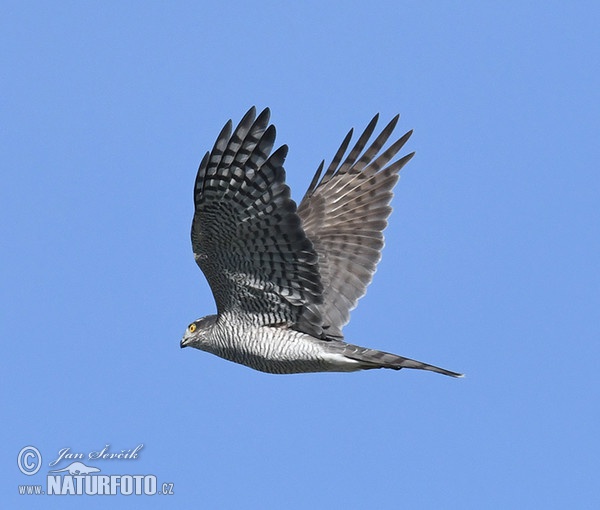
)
(344, 213)
(246, 235)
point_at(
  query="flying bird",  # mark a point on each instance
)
(285, 278)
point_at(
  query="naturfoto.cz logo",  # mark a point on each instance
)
(78, 478)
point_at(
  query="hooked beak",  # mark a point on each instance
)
(184, 342)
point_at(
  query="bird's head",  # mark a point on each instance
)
(198, 333)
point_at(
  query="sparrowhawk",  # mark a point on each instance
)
(285, 278)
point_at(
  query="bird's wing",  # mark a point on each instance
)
(246, 235)
(344, 214)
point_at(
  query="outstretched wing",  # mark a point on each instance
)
(246, 235)
(344, 215)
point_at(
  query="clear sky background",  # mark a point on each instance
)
(491, 265)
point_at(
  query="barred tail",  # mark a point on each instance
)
(379, 359)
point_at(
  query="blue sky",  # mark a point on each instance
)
(490, 265)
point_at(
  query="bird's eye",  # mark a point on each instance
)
(192, 328)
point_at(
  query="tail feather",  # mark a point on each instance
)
(379, 359)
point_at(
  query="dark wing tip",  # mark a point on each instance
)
(263, 117)
(278, 157)
(225, 133)
(315, 179)
(391, 125)
(269, 135)
(250, 113)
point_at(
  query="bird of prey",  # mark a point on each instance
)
(285, 278)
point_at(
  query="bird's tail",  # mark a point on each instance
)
(379, 359)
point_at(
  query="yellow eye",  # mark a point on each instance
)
(192, 328)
